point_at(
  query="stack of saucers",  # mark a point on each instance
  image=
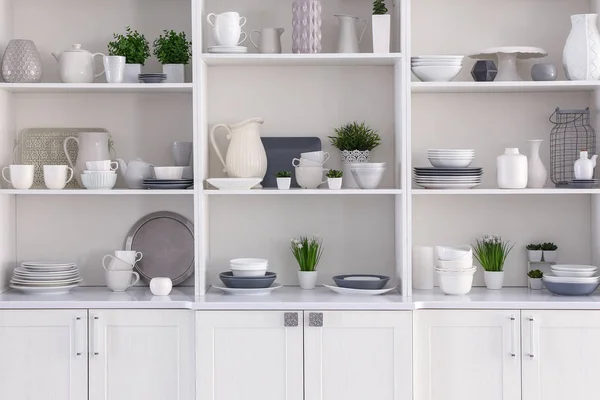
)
(44, 277)
(455, 270)
(152, 78)
(583, 183)
(436, 68)
(248, 276)
(572, 280)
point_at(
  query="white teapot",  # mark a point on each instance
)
(135, 172)
(77, 65)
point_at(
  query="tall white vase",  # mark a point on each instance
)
(381, 33)
(511, 170)
(581, 55)
(537, 173)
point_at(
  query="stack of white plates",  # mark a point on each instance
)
(451, 158)
(45, 277)
(448, 178)
(436, 68)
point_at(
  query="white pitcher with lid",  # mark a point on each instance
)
(76, 65)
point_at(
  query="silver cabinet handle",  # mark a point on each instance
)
(315, 319)
(531, 338)
(513, 328)
(78, 341)
(96, 338)
(290, 319)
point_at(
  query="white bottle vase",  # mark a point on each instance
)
(511, 170)
(537, 173)
(581, 55)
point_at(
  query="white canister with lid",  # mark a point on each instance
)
(511, 169)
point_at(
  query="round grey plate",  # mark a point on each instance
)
(361, 281)
(166, 240)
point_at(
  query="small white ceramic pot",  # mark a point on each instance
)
(535, 283)
(550, 255)
(161, 286)
(308, 279)
(381, 33)
(131, 73)
(493, 279)
(334, 183)
(284, 183)
(534, 255)
(175, 73)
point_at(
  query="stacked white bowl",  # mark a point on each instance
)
(246, 267)
(451, 158)
(436, 68)
(367, 175)
(455, 270)
(100, 175)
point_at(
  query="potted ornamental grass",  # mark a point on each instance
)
(550, 252)
(491, 252)
(381, 24)
(534, 252)
(173, 51)
(284, 180)
(136, 50)
(307, 250)
(535, 279)
(334, 179)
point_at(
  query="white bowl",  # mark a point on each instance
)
(572, 274)
(574, 267)
(455, 284)
(463, 263)
(87, 172)
(430, 63)
(99, 181)
(367, 165)
(248, 261)
(571, 279)
(437, 57)
(168, 172)
(451, 162)
(248, 273)
(469, 271)
(436, 73)
(450, 253)
(234, 183)
(367, 178)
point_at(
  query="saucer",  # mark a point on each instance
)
(227, 49)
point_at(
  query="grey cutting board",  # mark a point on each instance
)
(280, 153)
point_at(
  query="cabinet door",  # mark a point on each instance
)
(43, 355)
(467, 355)
(560, 354)
(249, 355)
(141, 355)
(358, 355)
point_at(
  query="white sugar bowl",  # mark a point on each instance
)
(161, 286)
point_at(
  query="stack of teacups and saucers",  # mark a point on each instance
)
(367, 175)
(119, 272)
(572, 280)
(309, 171)
(227, 30)
(248, 275)
(100, 175)
(436, 68)
(454, 268)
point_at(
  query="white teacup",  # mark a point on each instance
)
(116, 264)
(227, 28)
(114, 66)
(21, 176)
(120, 281)
(226, 18)
(104, 165)
(310, 177)
(129, 256)
(318, 156)
(55, 176)
(305, 162)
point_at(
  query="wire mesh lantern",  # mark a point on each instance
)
(571, 134)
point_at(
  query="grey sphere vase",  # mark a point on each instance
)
(21, 62)
(484, 71)
(543, 72)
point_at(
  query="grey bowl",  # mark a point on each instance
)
(571, 289)
(247, 282)
(355, 281)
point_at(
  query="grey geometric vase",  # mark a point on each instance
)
(21, 62)
(306, 26)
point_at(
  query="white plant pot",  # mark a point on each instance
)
(535, 283)
(381, 33)
(131, 73)
(175, 73)
(534, 255)
(493, 279)
(550, 255)
(334, 183)
(308, 279)
(284, 183)
(349, 157)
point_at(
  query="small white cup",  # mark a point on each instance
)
(104, 165)
(114, 66)
(55, 176)
(120, 281)
(116, 264)
(318, 156)
(168, 172)
(129, 256)
(310, 177)
(305, 162)
(21, 176)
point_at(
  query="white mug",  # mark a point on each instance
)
(104, 165)
(114, 66)
(21, 176)
(310, 177)
(55, 176)
(129, 256)
(319, 156)
(120, 281)
(305, 162)
(116, 264)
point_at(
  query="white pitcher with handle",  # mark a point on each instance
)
(349, 39)
(246, 156)
(92, 146)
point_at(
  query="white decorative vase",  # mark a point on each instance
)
(350, 157)
(537, 173)
(381, 33)
(306, 26)
(511, 170)
(308, 279)
(131, 73)
(334, 183)
(534, 255)
(581, 55)
(175, 73)
(493, 279)
(535, 283)
(284, 183)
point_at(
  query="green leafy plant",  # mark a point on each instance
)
(534, 247)
(334, 173)
(308, 251)
(283, 174)
(379, 7)
(133, 46)
(355, 136)
(491, 252)
(173, 48)
(535, 274)
(549, 246)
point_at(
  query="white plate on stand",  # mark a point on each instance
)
(251, 292)
(360, 292)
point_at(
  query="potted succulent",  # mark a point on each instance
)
(535, 279)
(491, 253)
(307, 250)
(534, 252)
(355, 141)
(284, 180)
(174, 51)
(550, 253)
(136, 50)
(334, 179)
(381, 27)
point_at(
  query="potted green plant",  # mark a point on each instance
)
(491, 252)
(534, 252)
(355, 141)
(136, 50)
(284, 180)
(174, 51)
(334, 179)
(535, 279)
(550, 252)
(307, 250)
(381, 27)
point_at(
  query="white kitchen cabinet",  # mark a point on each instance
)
(467, 355)
(560, 354)
(357, 355)
(249, 355)
(43, 355)
(141, 355)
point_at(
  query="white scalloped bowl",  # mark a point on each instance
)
(99, 181)
(436, 73)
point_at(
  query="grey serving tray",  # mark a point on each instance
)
(280, 153)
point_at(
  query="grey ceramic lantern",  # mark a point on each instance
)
(484, 71)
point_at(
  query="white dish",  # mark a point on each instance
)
(367, 178)
(438, 57)
(451, 163)
(453, 253)
(437, 73)
(450, 150)
(21, 282)
(251, 292)
(46, 271)
(436, 64)
(248, 272)
(574, 267)
(45, 277)
(455, 284)
(99, 181)
(234, 183)
(168, 173)
(563, 279)
(44, 290)
(47, 264)
(572, 274)
(448, 185)
(359, 292)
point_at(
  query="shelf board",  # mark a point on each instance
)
(85, 192)
(553, 191)
(301, 192)
(96, 87)
(504, 87)
(320, 59)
